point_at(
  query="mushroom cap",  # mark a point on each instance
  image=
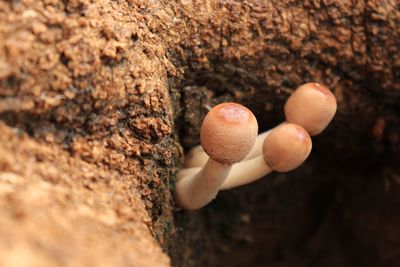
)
(228, 133)
(312, 106)
(286, 147)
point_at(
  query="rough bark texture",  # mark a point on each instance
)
(99, 99)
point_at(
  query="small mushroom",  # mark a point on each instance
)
(285, 148)
(311, 106)
(228, 133)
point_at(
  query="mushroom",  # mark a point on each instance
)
(311, 106)
(228, 133)
(285, 148)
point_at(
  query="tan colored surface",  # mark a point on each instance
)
(286, 147)
(86, 81)
(57, 210)
(228, 133)
(312, 106)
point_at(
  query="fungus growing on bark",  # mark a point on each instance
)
(228, 133)
(285, 148)
(311, 106)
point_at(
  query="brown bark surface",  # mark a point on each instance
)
(99, 99)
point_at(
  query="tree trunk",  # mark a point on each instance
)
(99, 99)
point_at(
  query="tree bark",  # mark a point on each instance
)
(99, 99)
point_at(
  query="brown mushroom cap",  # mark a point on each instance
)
(286, 147)
(228, 133)
(312, 106)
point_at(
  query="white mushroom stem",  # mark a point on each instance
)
(200, 186)
(241, 173)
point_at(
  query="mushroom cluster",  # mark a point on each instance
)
(232, 154)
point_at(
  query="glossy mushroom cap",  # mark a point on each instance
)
(286, 147)
(228, 133)
(312, 106)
